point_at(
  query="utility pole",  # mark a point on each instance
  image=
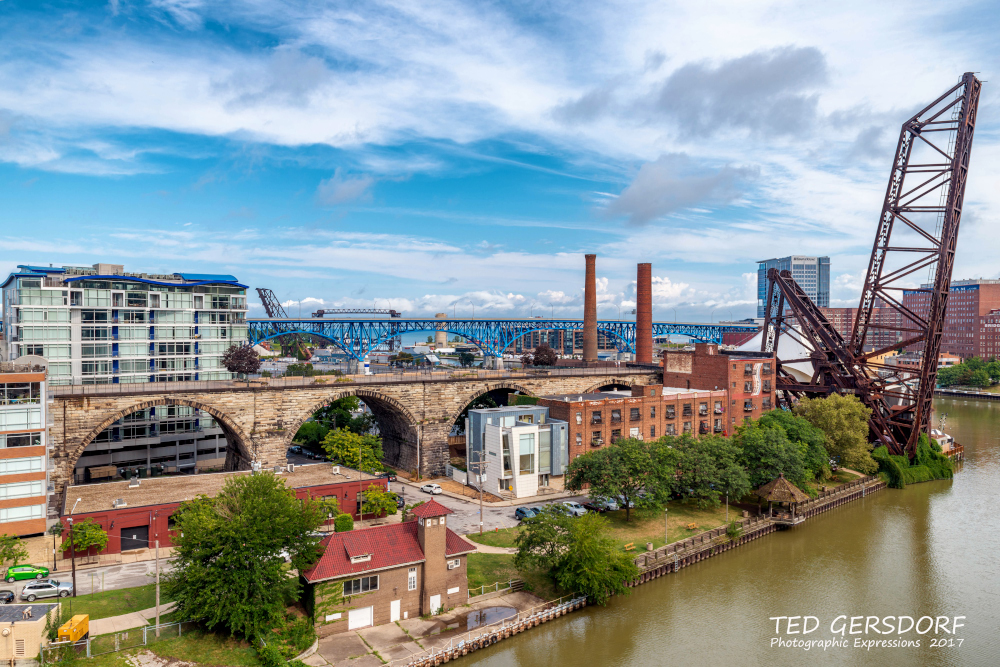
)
(479, 482)
(157, 588)
(72, 553)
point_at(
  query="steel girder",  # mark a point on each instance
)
(357, 338)
(925, 197)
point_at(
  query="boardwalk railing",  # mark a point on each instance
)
(110, 643)
(509, 586)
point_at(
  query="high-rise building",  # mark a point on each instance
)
(966, 330)
(100, 325)
(24, 488)
(811, 273)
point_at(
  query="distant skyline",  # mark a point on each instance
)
(436, 156)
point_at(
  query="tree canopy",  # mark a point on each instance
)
(378, 501)
(229, 551)
(974, 372)
(338, 414)
(766, 452)
(85, 535)
(625, 468)
(242, 360)
(359, 451)
(844, 421)
(810, 440)
(12, 550)
(708, 468)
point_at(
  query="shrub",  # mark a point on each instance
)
(343, 523)
(734, 530)
(270, 655)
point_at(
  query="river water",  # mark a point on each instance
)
(929, 550)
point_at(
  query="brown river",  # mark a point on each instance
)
(930, 550)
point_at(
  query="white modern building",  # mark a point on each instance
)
(101, 325)
(526, 455)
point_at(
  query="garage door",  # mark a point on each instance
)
(359, 618)
(135, 538)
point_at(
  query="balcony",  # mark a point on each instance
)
(718, 428)
(703, 412)
(596, 442)
(718, 411)
(748, 407)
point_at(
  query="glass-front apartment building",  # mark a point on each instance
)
(811, 273)
(24, 445)
(100, 325)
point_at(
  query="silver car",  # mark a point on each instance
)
(46, 588)
(576, 509)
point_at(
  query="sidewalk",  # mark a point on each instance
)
(137, 619)
(40, 553)
(514, 502)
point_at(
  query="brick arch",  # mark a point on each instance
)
(485, 389)
(397, 424)
(234, 434)
(608, 381)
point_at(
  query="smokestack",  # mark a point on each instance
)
(644, 314)
(590, 311)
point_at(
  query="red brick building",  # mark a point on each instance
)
(384, 574)
(747, 377)
(646, 412)
(970, 305)
(134, 517)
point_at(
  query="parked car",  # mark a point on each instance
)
(6, 597)
(574, 508)
(20, 572)
(46, 588)
(604, 504)
(620, 502)
(391, 476)
(431, 488)
(522, 513)
(294, 449)
(595, 506)
(400, 503)
(537, 509)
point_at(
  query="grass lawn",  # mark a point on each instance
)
(206, 648)
(111, 603)
(487, 569)
(501, 538)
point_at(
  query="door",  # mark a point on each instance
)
(135, 538)
(435, 604)
(359, 618)
(394, 611)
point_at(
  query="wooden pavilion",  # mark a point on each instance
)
(787, 495)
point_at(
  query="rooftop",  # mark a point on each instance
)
(166, 490)
(430, 508)
(389, 546)
(14, 613)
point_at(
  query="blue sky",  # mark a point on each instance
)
(435, 156)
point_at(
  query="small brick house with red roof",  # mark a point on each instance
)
(373, 576)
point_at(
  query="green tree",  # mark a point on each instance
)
(466, 359)
(593, 563)
(766, 452)
(343, 523)
(402, 359)
(229, 568)
(811, 440)
(623, 469)
(12, 550)
(85, 535)
(543, 539)
(709, 468)
(341, 414)
(844, 421)
(310, 435)
(979, 378)
(378, 501)
(361, 452)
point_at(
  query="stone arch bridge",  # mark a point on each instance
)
(414, 415)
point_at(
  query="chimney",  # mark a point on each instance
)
(590, 311)
(644, 314)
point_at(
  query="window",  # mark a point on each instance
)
(747, 406)
(652, 412)
(362, 585)
(454, 564)
(579, 439)
(411, 579)
(363, 558)
(634, 414)
(671, 412)
(21, 489)
(21, 440)
(747, 369)
(579, 417)
(616, 434)
(687, 410)
(544, 450)
(595, 417)
(652, 431)
(748, 386)
(616, 416)
(526, 451)
(703, 409)
(670, 429)
(687, 427)
(595, 439)
(17, 466)
(8, 514)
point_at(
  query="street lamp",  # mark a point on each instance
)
(666, 527)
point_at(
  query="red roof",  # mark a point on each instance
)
(389, 546)
(430, 508)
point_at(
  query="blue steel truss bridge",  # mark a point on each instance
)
(359, 337)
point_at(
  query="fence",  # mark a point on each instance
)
(430, 375)
(487, 589)
(117, 641)
(483, 636)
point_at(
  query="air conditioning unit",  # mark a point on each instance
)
(119, 503)
(133, 483)
(336, 470)
(291, 467)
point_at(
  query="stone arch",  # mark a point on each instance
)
(485, 389)
(397, 425)
(238, 451)
(610, 382)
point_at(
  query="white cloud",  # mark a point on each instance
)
(341, 189)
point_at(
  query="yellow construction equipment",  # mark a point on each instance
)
(75, 628)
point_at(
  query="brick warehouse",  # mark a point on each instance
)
(388, 573)
(970, 303)
(748, 377)
(135, 516)
(414, 418)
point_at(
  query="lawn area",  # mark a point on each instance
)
(646, 525)
(206, 648)
(487, 569)
(112, 603)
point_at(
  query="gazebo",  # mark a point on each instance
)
(784, 492)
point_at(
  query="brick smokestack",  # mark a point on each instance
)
(644, 314)
(590, 311)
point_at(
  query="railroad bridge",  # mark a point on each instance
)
(414, 412)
